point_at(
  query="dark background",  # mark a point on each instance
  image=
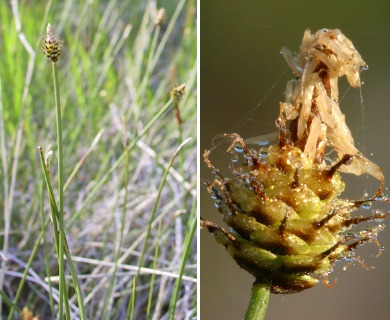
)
(243, 78)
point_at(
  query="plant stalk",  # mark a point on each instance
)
(60, 186)
(258, 303)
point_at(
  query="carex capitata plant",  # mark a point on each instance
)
(52, 47)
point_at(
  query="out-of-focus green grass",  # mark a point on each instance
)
(115, 74)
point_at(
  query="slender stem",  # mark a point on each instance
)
(259, 300)
(60, 186)
(54, 217)
(19, 292)
(151, 219)
(45, 248)
(191, 228)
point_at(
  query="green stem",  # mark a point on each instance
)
(60, 188)
(259, 300)
(151, 219)
(54, 216)
(63, 245)
(191, 228)
(19, 292)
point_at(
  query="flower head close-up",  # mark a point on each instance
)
(288, 221)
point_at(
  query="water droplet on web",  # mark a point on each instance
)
(234, 157)
(249, 160)
(350, 235)
(364, 68)
(218, 203)
(263, 152)
(380, 197)
(366, 205)
(379, 215)
(238, 147)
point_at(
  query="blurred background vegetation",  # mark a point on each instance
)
(116, 71)
(243, 79)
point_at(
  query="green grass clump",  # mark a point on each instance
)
(129, 160)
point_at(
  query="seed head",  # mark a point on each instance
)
(160, 17)
(178, 92)
(287, 223)
(52, 46)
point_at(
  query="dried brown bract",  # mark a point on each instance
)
(312, 99)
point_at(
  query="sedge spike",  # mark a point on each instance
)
(288, 225)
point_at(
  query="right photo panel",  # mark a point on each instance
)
(294, 160)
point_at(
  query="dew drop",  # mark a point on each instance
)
(366, 205)
(381, 197)
(234, 157)
(379, 215)
(218, 203)
(263, 152)
(238, 147)
(248, 160)
(350, 235)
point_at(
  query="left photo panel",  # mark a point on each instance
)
(98, 143)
